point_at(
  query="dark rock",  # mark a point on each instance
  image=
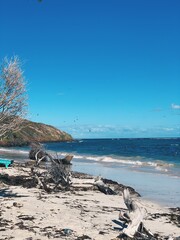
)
(26, 217)
(119, 188)
(106, 190)
(83, 237)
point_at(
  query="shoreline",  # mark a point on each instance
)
(83, 211)
(156, 186)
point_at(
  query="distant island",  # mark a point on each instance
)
(34, 132)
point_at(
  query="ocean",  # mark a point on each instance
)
(150, 165)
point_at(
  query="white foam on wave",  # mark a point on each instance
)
(159, 165)
(123, 161)
(13, 151)
(162, 169)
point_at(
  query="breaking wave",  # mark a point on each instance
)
(125, 161)
(13, 151)
(132, 162)
(19, 155)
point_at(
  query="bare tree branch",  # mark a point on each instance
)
(13, 98)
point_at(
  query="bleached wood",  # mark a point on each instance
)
(136, 214)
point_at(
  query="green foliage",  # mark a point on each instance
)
(34, 132)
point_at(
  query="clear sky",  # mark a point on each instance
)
(98, 68)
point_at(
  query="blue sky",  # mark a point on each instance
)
(98, 68)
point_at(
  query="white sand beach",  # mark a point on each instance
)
(81, 213)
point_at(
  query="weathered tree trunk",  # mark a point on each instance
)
(134, 217)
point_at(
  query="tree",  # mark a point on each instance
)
(13, 97)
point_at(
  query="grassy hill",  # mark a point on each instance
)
(34, 132)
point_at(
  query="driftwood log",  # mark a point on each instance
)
(134, 216)
(66, 160)
(133, 219)
(98, 182)
(57, 171)
(38, 153)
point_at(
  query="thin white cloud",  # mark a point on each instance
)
(175, 106)
(97, 131)
(168, 129)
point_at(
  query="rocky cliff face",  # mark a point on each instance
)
(34, 132)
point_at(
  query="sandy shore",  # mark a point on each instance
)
(80, 213)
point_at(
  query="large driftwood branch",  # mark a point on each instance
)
(41, 181)
(37, 152)
(39, 159)
(134, 218)
(60, 173)
(136, 214)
